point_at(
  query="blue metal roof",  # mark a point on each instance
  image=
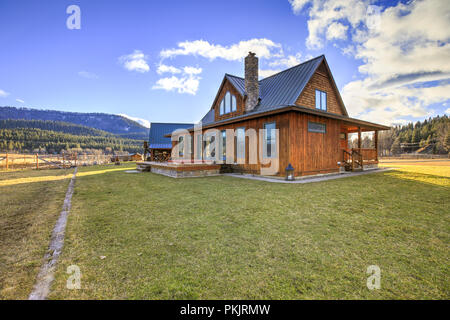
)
(237, 82)
(156, 138)
(277, 91)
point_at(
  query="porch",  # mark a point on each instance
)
(360, 157)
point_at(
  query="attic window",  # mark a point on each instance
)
(228, 103)
(321, 100)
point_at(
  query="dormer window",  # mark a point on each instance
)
(228, 103)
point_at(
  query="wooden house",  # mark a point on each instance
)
(303, 105)
(136, 157)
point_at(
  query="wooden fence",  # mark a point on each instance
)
(416, 156)
(14, 161)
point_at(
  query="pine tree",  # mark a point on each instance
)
(396, 148)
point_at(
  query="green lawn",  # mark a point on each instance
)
(227, 238)
(30, 203)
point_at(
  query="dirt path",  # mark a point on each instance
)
(45, 277)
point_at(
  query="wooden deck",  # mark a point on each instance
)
(180, 169)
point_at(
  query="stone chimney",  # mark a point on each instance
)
(251, 82)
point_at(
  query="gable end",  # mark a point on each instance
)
(322, 80)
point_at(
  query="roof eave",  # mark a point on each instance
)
(358, 122)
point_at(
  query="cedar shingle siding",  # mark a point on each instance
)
(321, 82)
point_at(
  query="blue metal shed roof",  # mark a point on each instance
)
(156, 138)
(277, 91)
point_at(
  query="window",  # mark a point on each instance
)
(233, 103)
(180, 146)
(224, 145)
(317, 127)
(227, 100)
(270, 148)
(240, 143)
(222, 107)
(228, 104)
(321, 100)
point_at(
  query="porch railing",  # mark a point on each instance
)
(356, 158)
(367, 154)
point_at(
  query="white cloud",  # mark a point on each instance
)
(192, 70)
(188, 84)
(20, 100)
(162, 68)
(404, 55)
(87, 74)
(289, 61)
(297, 5)
(264, 48)
(136, 61)
(141, 121)
(337, 30)
(326, 16)
(268, 72)
(186, 81)
(3, 93)
(447, 111)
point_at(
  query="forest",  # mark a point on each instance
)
(431, 136)
(55, 136)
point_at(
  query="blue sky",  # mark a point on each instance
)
(164, 61)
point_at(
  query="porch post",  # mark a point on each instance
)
(359, 139)
(376, 145)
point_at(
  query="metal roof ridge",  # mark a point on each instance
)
(298, 65)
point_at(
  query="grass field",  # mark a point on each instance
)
(30, 203)
(221, 237)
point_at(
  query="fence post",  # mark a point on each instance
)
(7, 161)
(64, 163)
(37, 162)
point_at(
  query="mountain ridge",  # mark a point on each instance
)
(112, 123)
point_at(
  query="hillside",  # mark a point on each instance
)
(55, 136)
(118, 125)
(56, 126)
(46, 141)
(431, 136)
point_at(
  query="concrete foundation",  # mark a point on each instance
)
(185, 170)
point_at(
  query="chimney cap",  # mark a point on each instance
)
(251, 53)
